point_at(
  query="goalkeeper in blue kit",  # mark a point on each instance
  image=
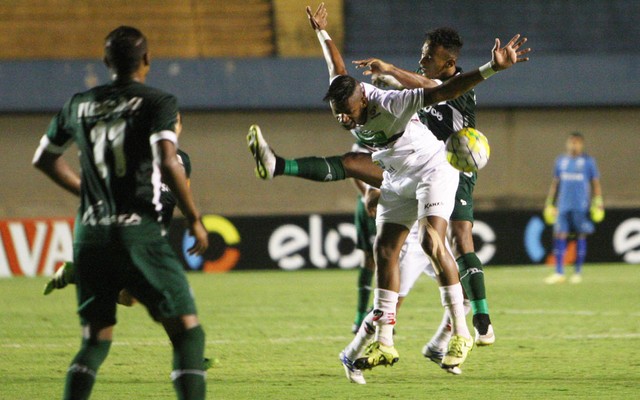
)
(573, 204)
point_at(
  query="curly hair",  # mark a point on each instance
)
(447, 38)
(341, 89)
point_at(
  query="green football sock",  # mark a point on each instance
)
(364, 293)
(84, 368)
(188, 374)
(472, 279)
(320, 169)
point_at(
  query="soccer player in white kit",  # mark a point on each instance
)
(418, 184)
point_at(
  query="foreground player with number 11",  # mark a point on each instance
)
(126, 134)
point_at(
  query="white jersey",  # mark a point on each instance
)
(402, 143)
(388, 113)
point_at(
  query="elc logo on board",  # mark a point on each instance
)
(30, 247)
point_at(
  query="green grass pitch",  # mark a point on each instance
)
(277, 335)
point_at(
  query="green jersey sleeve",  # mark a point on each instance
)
(59, 134)
(165, 115)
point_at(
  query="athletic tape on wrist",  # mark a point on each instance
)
(323, 36)
(487, 70)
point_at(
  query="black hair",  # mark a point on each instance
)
(447, 38)
(124, 48)
(341, 88)
(576, 135)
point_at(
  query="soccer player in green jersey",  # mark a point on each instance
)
(125, 132)
(66, 274)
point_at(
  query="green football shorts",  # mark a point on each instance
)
(149, 270)
(463, 209)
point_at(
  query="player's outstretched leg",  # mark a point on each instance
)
(269, 165)
(61, 278)
(264, 157)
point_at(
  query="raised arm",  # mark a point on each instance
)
(408, 79)
(502, 58)
(318, 21)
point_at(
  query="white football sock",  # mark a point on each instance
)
(385, 301)
(441, 338)
(453, 301)
(361, 340)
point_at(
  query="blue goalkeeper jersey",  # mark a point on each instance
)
(575, 175)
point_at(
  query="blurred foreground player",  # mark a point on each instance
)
(66, 274)
(574, 202)
(125, 132)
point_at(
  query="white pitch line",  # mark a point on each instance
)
(300, 339)
(585, 313)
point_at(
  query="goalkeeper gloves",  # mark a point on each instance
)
(550, 213)
(597, 209)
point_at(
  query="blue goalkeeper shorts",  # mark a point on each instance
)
(574, 221)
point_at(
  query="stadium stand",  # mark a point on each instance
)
(64, 29)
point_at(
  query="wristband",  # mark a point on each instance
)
(487, 70)
(323, 36)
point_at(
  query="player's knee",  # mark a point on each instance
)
(349, 161)
(462, 237)
(360, 166)
(175, 326)
(384, 251)
(369, 261)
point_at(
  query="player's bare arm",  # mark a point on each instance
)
(173, 175)
(501, 58)
(596, 188)
(360, 186)
(57, 169)
(551, 195)
(332, 56)
(407, 79)
(371, 197)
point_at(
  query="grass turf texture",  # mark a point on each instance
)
(277, 335)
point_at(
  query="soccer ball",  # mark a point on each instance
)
(468, 150)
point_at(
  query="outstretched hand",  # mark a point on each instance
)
(507, 56)
(375, 65)
(318, 20)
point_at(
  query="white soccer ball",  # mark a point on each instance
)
(468, 150)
